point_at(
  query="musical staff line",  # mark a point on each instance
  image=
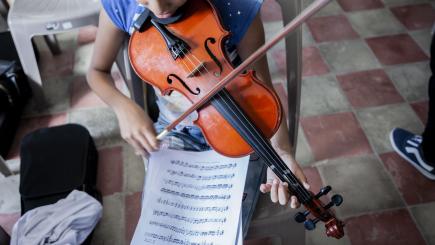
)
(203, 167)
(193, 196)
(191, 208)
(200, 177)
(174, 240)
(198, 187)
(187, 219)
(187, 232)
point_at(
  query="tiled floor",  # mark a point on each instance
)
(365, 71)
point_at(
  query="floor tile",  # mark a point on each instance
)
(332, 8)
(415, 16)
(304, 155)
(87, 35)
(414, 187)
(322, 95)
(29, 125)
(106, 133)
(411, 80)
(271, 11)
(423, 39)
(307, 38)
(53, 97)
(424, 217)
(64, 64)
(378, 122)
(402, 2)
(111, 228)
(82, 59)
(279, 58)
(390, 227)
(421, 108)
(363, 183)
(134, 170)
(82, 96)
(348, 56)
(132, 214)
(369, 88)
(336, 135)
(315, 182)
(378, 22)
(7, 221)
(356, 5)
(110, 171)
(331, 28)
(318, 237)
(312, 62)
(396, 49)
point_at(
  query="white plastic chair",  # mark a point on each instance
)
(29, 18)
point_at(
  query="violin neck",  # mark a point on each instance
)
(229, 109)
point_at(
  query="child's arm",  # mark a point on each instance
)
(252, 40)
(135, 125)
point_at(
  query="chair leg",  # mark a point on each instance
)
(26, 54)
(52, 43)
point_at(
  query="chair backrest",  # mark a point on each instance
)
(293, 44)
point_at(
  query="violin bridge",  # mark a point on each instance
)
(196, 70)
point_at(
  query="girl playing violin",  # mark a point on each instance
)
(242, 19)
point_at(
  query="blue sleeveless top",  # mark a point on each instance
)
(236, 15)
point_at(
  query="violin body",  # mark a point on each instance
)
(154, 64)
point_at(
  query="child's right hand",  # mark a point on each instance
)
(137, 128)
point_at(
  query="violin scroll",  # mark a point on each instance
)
(321, 212)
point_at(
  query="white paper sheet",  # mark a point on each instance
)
(192, 198)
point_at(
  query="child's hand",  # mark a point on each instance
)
(137, 128)
(278, 190)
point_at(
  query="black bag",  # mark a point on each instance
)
(54, 162)
(14, 94)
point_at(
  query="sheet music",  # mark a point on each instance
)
(192, 198)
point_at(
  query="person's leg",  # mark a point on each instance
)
(428, 144)
(419, 150)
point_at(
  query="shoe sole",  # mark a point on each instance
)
(416, 165)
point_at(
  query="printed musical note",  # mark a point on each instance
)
(200, 177)
(187, 232)
(166, 202)
(197, 187)
(174, 240)
(204, 167)
(189, 220)
(193, 196)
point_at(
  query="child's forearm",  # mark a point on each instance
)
(103, 85)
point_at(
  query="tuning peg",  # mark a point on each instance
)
(336, 200)
(323, 191)
(301, 217)
(311, 224)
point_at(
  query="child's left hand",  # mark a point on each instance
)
(279, 190)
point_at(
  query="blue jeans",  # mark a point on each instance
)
(190, 138)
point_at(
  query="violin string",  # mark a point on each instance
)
(278, 160)
(298, 188)
(270, 156)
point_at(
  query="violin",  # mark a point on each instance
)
(185, 53)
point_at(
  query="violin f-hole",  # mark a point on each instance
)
(212, 56)
(171, 76)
